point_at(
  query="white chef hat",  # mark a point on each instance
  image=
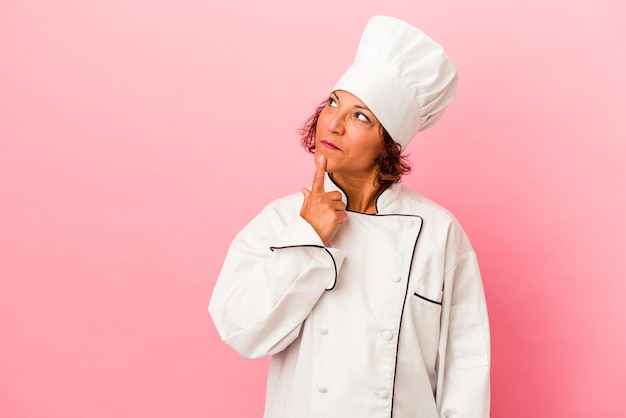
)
(405, 78)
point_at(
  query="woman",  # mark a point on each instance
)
(366, 294)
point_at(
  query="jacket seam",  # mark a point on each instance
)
(458, 260)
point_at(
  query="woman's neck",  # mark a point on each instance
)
(361, 192)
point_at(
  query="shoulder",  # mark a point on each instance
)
(275, 215)
(284, 206)
(405, 200)
(436, 219)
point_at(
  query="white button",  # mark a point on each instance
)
(323, 331)
(410, 224)
(322, 389)
(387, 335)
(383, 394)
(396, 277)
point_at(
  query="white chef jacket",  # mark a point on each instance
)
(387, 321)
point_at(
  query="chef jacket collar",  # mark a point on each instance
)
(383, 203)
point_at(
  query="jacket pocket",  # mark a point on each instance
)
(428, 295)
(467, 338)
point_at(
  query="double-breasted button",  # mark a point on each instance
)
(387, 335)
(396, 277)
(322, 389)
(323, 331)
(410, 224)
(383, 394)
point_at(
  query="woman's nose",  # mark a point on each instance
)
(336, 123)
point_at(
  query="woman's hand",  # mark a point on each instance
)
(325, 211)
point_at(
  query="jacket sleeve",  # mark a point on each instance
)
(275, 271)
(464, 349)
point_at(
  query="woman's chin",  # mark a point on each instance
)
(330, 166)
(329, 159)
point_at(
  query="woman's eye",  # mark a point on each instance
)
(362, 117)
(332, 102)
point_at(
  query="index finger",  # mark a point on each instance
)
(318, 178)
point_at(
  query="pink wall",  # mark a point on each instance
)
(136, 138)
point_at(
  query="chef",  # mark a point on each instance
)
(366, 294)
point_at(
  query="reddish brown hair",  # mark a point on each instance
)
(392, 165)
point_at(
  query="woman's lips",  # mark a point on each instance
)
(329, 145)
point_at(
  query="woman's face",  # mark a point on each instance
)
(349, 136)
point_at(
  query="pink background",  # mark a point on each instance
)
(137, 137)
